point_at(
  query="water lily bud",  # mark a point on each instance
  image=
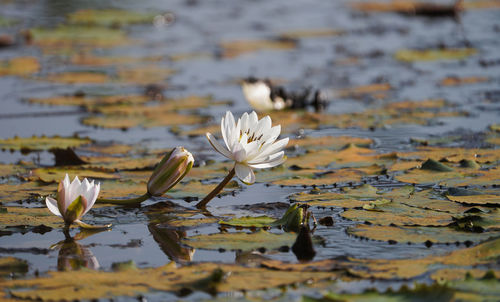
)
(172, 168)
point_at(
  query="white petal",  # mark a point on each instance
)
(75, 190)
(52, 205)
(263, 126)
(271, 163)
(253, 119)
(217, 146)
(245, 173)
(244, 122)
(92, 196)
(239, 153)
(268, 150)
(272, 134)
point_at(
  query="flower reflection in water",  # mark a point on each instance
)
(74, 256)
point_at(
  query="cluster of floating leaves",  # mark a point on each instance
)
(430, 195)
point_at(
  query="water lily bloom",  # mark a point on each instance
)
(251, 143)
(172, 168)
(74, 199)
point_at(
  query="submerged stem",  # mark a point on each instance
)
(130, 201)
(223, 183)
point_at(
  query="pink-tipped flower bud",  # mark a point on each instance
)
(172, 168)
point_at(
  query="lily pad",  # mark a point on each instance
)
(28, 144)
(21, 66)
(418, 234)
(75, 37)
(378, 91)
(233, 49)
(153, 119)
(249, 222)
(11, 265)
(311, 33)
(476, 199)
(166, 278)
(56, 174)
(90, 101)
(108, 17)
(456, 81)
(330, 142)
(410, 55)
(241, 241)
(74, 77)
(28, 218)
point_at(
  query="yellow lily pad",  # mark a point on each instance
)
(56, 174)
(311, 33)
(378, 91)
(73, 77)
(233, 49)
(410, 55)
(143, 74)
(76, 37)
(153, 119)
(21, 66)
(28, 218)
(249, 222)
(330, 142)
(456, 81)
(90, 101)
(241, 241)
(20, 191)
(11, 265)
(35, 143)
(191, 222)
(62, 285)
(418, 234)
(108, 17)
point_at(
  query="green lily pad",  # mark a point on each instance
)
(330, 142)
(233, 49)
(90, 101)
(152, 119)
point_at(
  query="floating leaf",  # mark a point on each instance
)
(311, 33)
(28, 218)
(85, 101)
(78, 37)
(191, 222)
(236, 48)
(143, 74)
(249, 222)
(57, 173)
(21, 66)
(476, 199)
(154, 119)
(78, 77)
(377, 91)
(21, 191)
(330, 142)
(194, 188)
(63, 285)
(108, 17)
(28, 144)
(11, 265)
(241, 241)
(456, 81)
(409, 55)
(418, 234)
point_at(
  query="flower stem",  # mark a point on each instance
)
(131, 201)
(202, 204)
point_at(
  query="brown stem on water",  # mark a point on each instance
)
(202, 204)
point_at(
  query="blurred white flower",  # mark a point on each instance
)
(74, 199)
(251, 143)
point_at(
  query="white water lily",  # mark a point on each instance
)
(251, 143)
(74, 199)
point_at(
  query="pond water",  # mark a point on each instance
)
(198, 45)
